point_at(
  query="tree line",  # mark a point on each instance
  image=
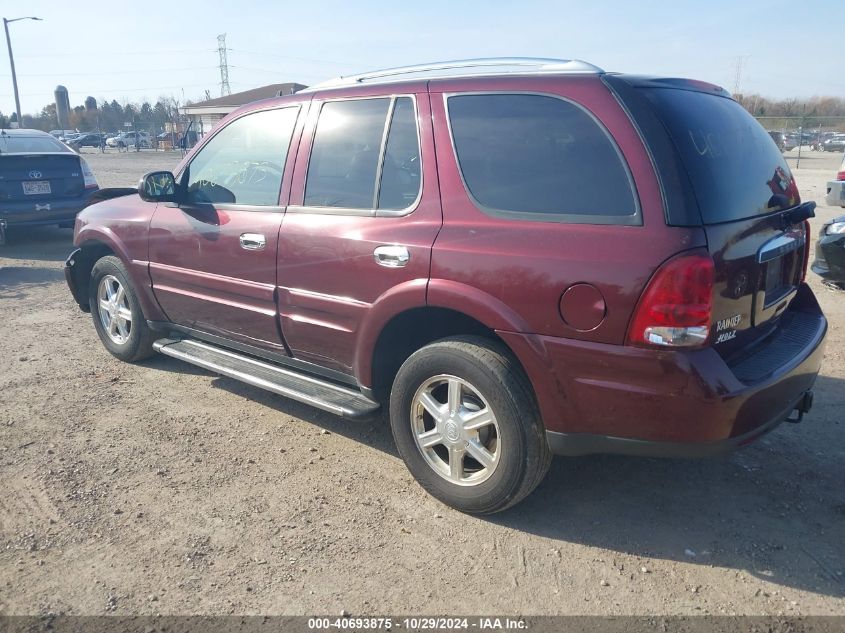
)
(111, 116)
(107, 116)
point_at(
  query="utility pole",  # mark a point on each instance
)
(801, 134)
(224, 66)
(6, 24)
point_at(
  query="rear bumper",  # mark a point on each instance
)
(599, 398)
(32, 213)
(574, 444)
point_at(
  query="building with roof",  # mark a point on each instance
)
(204, 115)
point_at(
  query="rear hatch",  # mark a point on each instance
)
(743, 195)
(36, 167)
(35, 177)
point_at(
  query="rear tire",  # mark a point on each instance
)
(465, 422)
(117, 313)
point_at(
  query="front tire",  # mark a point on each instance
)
(116, 311)
(465, 422)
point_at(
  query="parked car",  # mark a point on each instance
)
(835, 143)
(779, 139)
(830, 247)
(785, 141)
(836, 188)
(516, 257)
(129, 139)
(791, 141)
(59, 134)
(88, 139)
(830, 252)
(41, 180)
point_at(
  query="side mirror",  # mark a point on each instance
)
(158, 186)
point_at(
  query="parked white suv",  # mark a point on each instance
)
(836, 188)
(128, 139)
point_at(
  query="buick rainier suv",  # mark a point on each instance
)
(514, 257)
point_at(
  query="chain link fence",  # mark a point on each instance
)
(809, 125)
(805, 133)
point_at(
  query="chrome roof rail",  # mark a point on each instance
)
(464, 68)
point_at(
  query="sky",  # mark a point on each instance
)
(144, 50)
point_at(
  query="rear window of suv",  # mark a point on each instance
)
(539, 157)
(736, 169)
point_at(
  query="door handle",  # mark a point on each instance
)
(253, 241)
(391, 256)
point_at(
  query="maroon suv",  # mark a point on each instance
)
(517, 257)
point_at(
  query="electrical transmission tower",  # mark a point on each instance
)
(739, 62)
(224, 66)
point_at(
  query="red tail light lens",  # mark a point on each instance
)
(675, 308)
(841, 175)
(806, 250)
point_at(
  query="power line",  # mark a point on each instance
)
(114, 53)
(113, 90)
(122, 72)
(300, 59)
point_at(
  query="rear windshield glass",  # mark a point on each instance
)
(736, 169)
(10, 144)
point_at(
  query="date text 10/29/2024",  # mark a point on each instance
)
(417, 624)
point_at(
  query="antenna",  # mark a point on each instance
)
(224, 66)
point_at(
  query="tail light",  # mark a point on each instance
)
(87, 174)
(675, 308)
(841, 175)
(806, 250)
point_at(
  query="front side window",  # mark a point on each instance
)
(539, 157)
(355, 165)
(244, 162)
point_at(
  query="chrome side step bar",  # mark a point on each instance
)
(310, 390)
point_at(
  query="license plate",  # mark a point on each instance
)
(781, 277)
(35, 187)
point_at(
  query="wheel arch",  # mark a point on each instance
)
(90, 252)
(95, 243)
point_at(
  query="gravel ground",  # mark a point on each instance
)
(161, 488)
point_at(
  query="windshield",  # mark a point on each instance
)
(736, 169)
(14, 144)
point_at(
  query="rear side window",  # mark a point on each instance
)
(735, 168)
(541, 158)
(365, 155)
(244, 162)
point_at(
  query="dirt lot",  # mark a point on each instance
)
(160, 488)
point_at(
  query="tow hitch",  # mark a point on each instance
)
(803, 406)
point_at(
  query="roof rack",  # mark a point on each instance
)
(464, 68)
